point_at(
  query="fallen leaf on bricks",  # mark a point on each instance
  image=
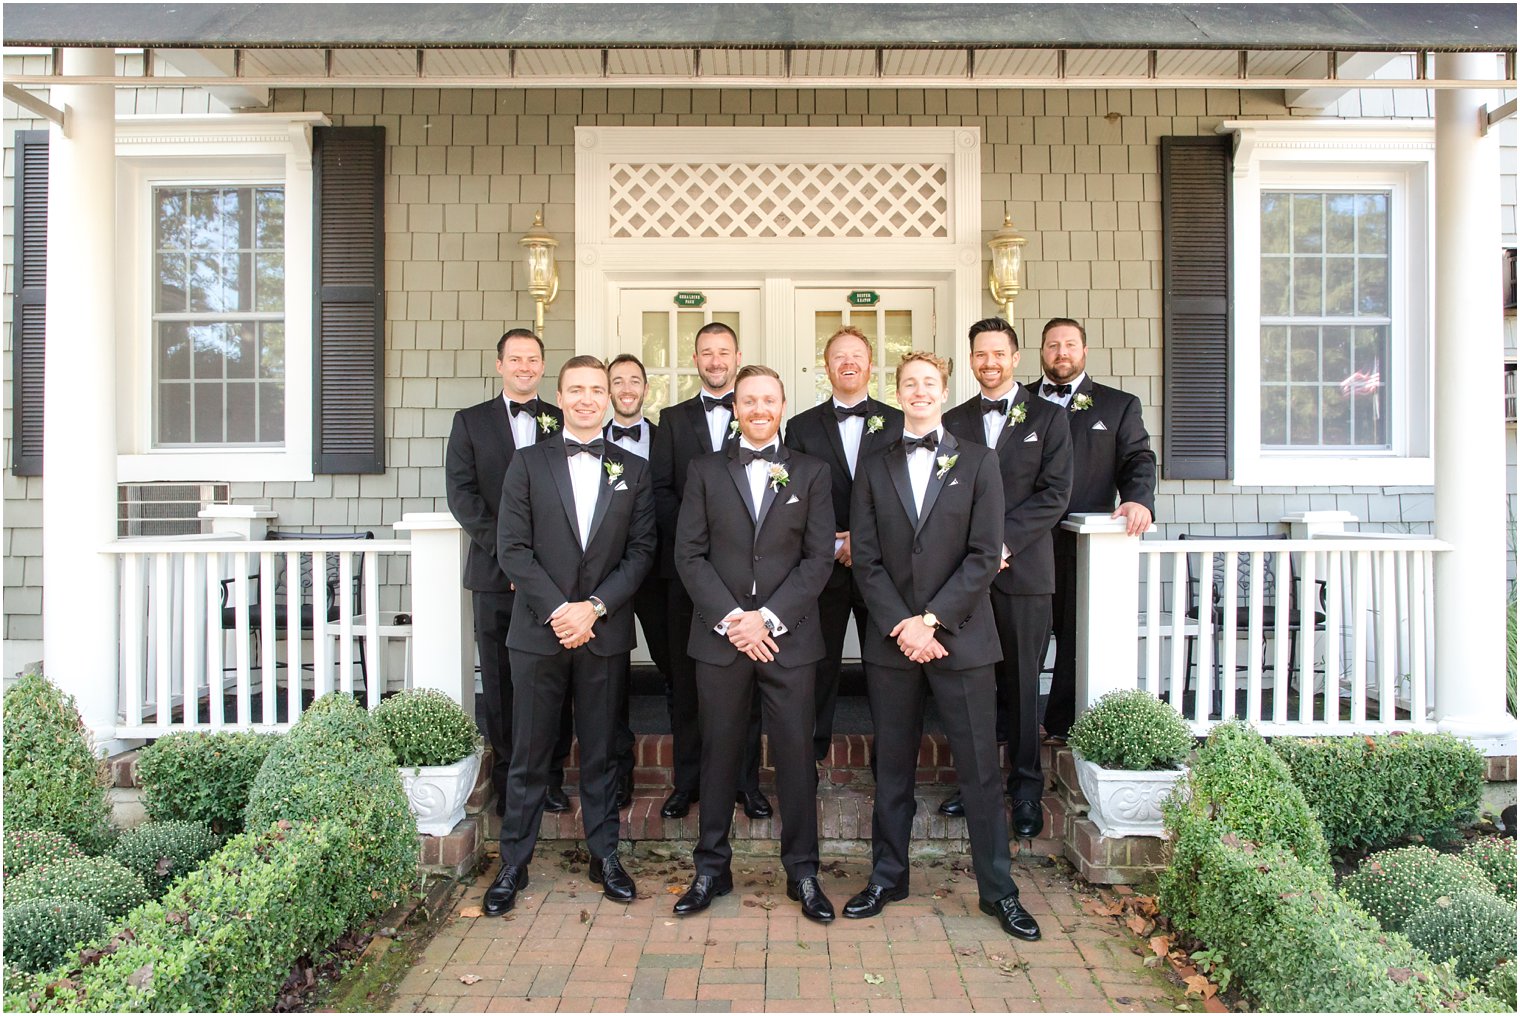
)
(585, 917)
(1139, 925)
(469, 978)
(1160, 944)
(470, 912)
(873, 978)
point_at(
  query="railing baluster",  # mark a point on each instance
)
(1306, 632)
(268, 638)
(1405, 666)
(163, 633)
(133, 645)
(244, 654)
(1281, 583)
(1179, 631)
(1333, 564)
(321, 658)
(374, 653)
(1388, 634)
(1151, 677)
(1255, 639)
(215, 662)
(345, 622)
(1228, 649)
(191, 569)
(1362, 564)
(1417, 669)
(293, 672)
(1202, 693)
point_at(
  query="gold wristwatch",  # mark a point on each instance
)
(929, 618)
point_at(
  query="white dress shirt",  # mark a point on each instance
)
(585, 479)
(993, 423)
(851, 430)
(639, 447)
(920, 465)
(758, 473)
(717, 422)
(524, 425)
(1062, 400)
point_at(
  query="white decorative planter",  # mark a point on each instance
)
(1125, 802)
(437, 793)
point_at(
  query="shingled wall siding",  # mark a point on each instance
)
(467, 169)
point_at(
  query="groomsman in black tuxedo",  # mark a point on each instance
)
(481, 445)
(576, 536)
(754, 546)
(1111, 459)
(1033, 445)
(702, 424)
(631, 432)
(842, 432)
(927, 528)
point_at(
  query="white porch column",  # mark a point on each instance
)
(1469, 415)
(79, 584)
(1108, 606)
(443, 643)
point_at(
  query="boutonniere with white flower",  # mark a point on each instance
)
(779, 477)
(614, 471)
(874, 424)
(1081, 402)
(547, 423)
(1017, 412)
(945, 463)
(733, 428)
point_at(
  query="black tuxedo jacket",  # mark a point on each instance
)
(1035, 459)
(1110, 452)
(681, 438)
(479, 450)
(653, 430)
(815, 432)
(540, 551)
(941, 560)
(723, 551)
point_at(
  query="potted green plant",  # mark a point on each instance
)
(438, 748)
(1129, 750)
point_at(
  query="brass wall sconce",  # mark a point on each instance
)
(543, 275)
(1005, 280)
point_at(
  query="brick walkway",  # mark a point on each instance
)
(565, 948)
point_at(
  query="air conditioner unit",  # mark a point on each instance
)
(165, 509)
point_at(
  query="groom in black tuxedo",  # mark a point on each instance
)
(754, 546)
(928, 527)
(576, 537)
(1111, 459)
(1033, 447)
(844, 431)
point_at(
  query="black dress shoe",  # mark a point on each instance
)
(617, 885)
(624, 796)
(678, 804)
(953, 806)
(1015, 920)
(704, 889)
(874, 898)
(755, 803)
(510, 880)
(815, 905)
(555, 800)
(1028, 819)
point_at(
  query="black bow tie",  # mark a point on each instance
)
(709, 403)
(994, 406)
(574, 448)
(929, 441)
(633, 433)
(748, 455)
(1049, 389)
(842, 413)
(531, 406)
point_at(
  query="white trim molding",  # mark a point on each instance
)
(1327, 155)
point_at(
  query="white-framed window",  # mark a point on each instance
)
(214, 299)
(1332, 324)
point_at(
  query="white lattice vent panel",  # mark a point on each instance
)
(779, 200)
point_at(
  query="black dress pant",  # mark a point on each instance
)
(965, 701)
(1061, 706)
(840, 598)
(681, 697)
(1023, 624)
(726, 695)
(493, 616)
(542, 685)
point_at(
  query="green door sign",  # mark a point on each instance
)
(690, 299)
(863, 298)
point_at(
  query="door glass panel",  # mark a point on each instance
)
(657, 395)
(656, 340)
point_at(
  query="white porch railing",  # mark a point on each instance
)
(1329, 635)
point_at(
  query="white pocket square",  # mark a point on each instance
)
(954, 482)
(1099, 426)
(621, 486)
(1031, 437)
(794, 499)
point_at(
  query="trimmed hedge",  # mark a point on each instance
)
(40, 933)
(424, 727)
(161, 852)
(1495, 856)
(1394, 884)
(99, 881)
(53, 781)
(1372, 792)
(195, 777)
(1473, 929)
(1132, 730)
(29, 849)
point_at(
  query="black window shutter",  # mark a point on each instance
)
(349, 330)
(1195, 307)
(30, 307)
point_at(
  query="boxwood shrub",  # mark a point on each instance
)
(53, 780)
(40, 933)
(1393, 885)
(1372, 792)
(1472, 928)
(161, 852)
(99, 881)
(1501, 985)
(27, 849)
(196, 777)
(424, 727)
(1494, 856)
(1132, 730)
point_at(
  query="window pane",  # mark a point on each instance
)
(1274, 287)
(271, 350)
(1307, 300)
(1340, 287)
(1336, 343)
(687, 324)
(1372, 286)
(1304, 355)
(208, 413)
(271, 413)
(237, 231)
(656, 340)
(1274, 415)
(1340, 223)
(173, 351)
(171, 276)
(269, 282)
(687, 385)
(171, 218)
(898, 340)
(1372, 223)
(209, 343)
(1337, 417)
(657, 396)
(270, 231)
(174, 414)
(1308, 224)
(206, 283)
(1274, 223)
(1303, 419)
(1274, 354)
(730, 318)
(203, 222)
(240, 350)
(242, 408)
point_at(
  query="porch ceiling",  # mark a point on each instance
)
(1110, 45)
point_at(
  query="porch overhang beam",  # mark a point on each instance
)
(35, 104)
